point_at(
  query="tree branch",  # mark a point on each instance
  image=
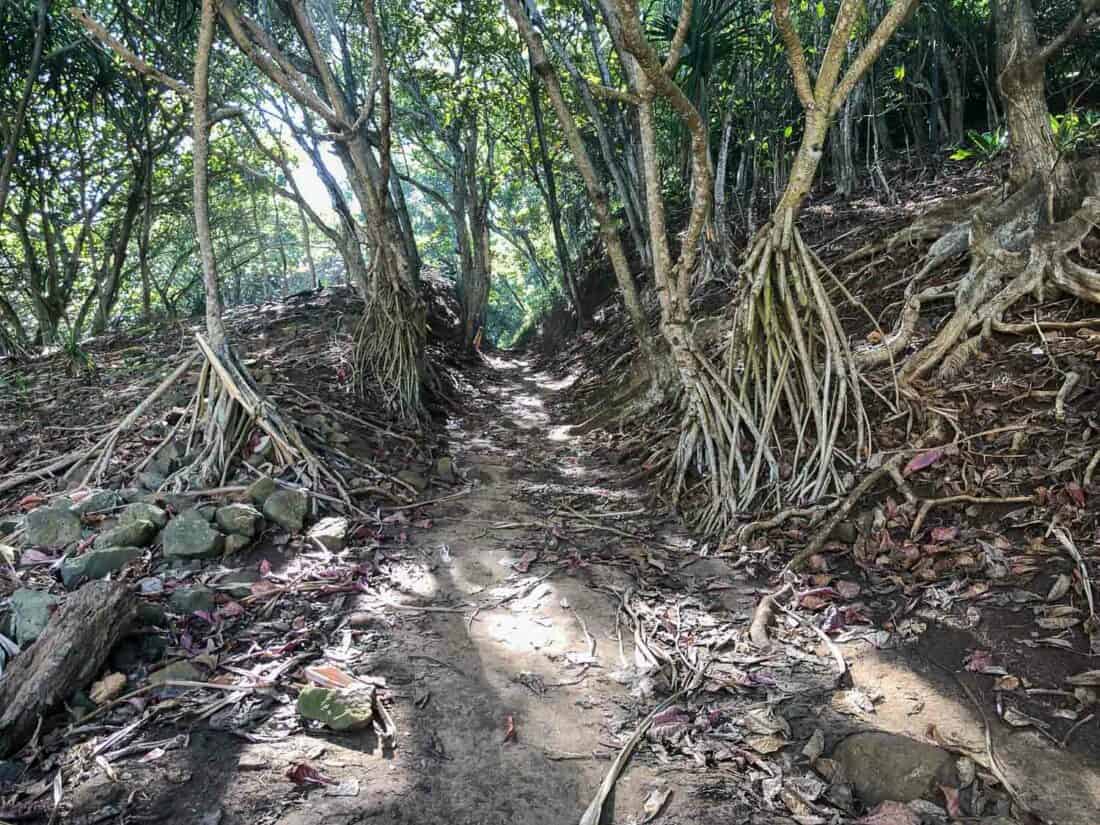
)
(796, 55)
(1074, 28)
(866, 58)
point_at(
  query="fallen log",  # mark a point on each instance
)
(67, 655)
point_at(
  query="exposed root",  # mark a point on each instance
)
(389, 346)
(1012, 254)
(788, 370)
(929, 504)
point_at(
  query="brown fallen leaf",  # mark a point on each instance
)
(509, 730)
(107, 688)
(891, 813)
(302, 773)
(654, 804)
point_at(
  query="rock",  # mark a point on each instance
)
(10, 523)
(883, 766)
(8, 554)
(414, 480)
(177, 672)
(52, 526)
(107, 688)
(130, 494)
(97, 502)
(445, 468)
(31, 611)
(152, 614)
(287, 508)
(331, 532)
(238, 583)
(235, 543)
(260, 489)
(190, 536)
(135, 533)
(187, 600)
(846, 532)
(241, 519)
(143, 511)
(150, 480)
(95, 564)
(337, 708)
(262, 453)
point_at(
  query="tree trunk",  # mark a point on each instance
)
(308, 248)
(200, 136)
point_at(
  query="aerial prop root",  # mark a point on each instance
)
(389, 342)
(225, 409)
(790, 369)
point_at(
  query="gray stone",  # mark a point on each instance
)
(260, 489)
(142, 511)
(134, 533)
(883, 766)
(150, 613)
(52, 526)
(241, 519)
(190, 536)
(95, 564)
(331, 532)
(150, 480)
(130, 494)
(445, 468)
(338, 709)
(207, 509)
(185, 600)
(235, 543)
(414, 480)
(177, 671)
(31, 611)
(287, 508)
(238, 583)
(10, 523)
(97, 502)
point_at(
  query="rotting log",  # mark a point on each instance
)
(67, 655)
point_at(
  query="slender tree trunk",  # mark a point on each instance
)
(200, 136)
(16, 131)
(550, 190)
(308, 248)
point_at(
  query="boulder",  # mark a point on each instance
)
(238, 583)
(96, 564)
(883, 767)
(52, 526)
(331, 532)
(31, 611)
(150, 480)
(445, 468)
(97, 502)
(134, 533)
(10, 523)
(240, 519)
(235, 543)
(142, 511)
(414, 480)
(337, 708)
(287, 508)
(190, 536)
(186, 600)
(260, 489)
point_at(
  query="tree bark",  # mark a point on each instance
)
(67, 655)
(200, 136)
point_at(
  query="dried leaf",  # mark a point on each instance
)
(942, 535)
(1088, 678)
(951, 796)
(978, 661)
(654, 804)
(107, 688)
(509, 729)
(815, 746)
(847, 589)
(1059, 588)
(302, 773)
(766, 744)
(923, 460)
(891, 813)
(525, 561)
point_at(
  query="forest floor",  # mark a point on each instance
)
(524, 620)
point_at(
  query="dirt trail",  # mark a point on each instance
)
(496, 619)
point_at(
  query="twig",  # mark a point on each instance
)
(592, 814)
(416, 504)
(762, 616)
(1063, 393)
(928, 504)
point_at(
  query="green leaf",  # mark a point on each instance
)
(788, 131)
(960, 154)
(899, 73)
(820, 9)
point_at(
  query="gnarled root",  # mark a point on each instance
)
(389, 348)
(1012, 254)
